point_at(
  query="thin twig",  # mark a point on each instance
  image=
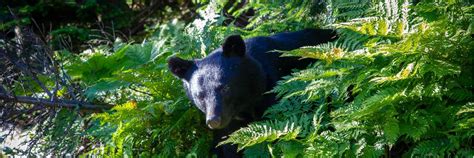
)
(57, 103)
(29, 73)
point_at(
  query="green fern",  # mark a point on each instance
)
(396, 76)
(267, 131)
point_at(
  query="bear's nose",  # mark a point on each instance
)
(213, 122)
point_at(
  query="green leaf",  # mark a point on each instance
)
(103, 86)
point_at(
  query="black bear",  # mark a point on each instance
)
(229, 84)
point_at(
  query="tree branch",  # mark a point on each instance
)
(57, 102)
(25, 69)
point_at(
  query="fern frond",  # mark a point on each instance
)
(267, 131)
(434, 147)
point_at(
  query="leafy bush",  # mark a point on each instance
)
(153, 116)
(397, 82)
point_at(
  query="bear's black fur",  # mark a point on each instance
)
(229, 84)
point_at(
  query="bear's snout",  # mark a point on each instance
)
(214, 122)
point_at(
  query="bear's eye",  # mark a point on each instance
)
(201, 96)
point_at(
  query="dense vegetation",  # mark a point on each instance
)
(397, 82)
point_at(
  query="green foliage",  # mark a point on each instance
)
(281, 15)
(154, 117)
(399, 80)
(266, 131)
(64, 140)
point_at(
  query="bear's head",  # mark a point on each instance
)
(223, 85)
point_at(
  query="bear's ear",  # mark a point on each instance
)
(234, 46)
(179, 66)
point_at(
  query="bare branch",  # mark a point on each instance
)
(23, 67)
(57, 102)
